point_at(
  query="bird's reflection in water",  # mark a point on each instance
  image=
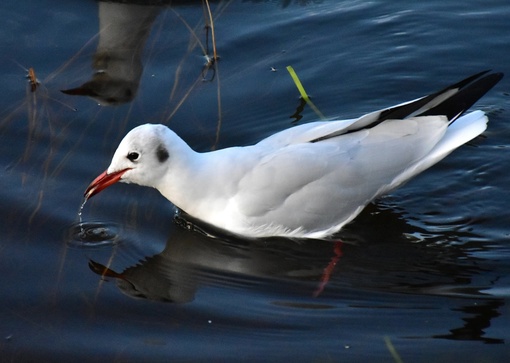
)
(191, 258)
(380, 259)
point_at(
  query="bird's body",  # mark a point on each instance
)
(307, 181)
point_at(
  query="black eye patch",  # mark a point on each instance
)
(133, 156)
(162, 153)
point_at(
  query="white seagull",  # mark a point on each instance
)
(307, 181)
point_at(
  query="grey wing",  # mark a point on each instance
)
(313, 184)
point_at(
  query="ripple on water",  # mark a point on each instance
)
(93, 234)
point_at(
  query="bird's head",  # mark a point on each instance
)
(142, 158)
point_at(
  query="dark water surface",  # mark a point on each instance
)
(423, 272)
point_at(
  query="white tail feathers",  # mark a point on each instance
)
(464, 129)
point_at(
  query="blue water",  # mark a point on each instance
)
(423, 271)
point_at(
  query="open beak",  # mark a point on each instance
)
(104, 180)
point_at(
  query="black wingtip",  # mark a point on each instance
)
(470, 90)
(466, 81)
(465, 94)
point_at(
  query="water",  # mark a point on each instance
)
(424, 270)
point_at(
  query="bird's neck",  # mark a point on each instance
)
(182, 183)
(200, 183)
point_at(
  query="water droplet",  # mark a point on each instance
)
(80, 211)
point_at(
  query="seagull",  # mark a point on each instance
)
(307, 181)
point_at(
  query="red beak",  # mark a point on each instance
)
(104, 180)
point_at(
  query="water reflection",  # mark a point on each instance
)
(478, 318)
(322, 272)
(192, 260)
(123, 31)
(117, 62)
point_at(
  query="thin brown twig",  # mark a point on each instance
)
(190, 29)
(218, 125)
(211, 21)
(216, 73)
(186, 95)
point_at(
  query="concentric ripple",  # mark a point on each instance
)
(93, 234)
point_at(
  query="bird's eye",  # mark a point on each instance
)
(133, 156)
